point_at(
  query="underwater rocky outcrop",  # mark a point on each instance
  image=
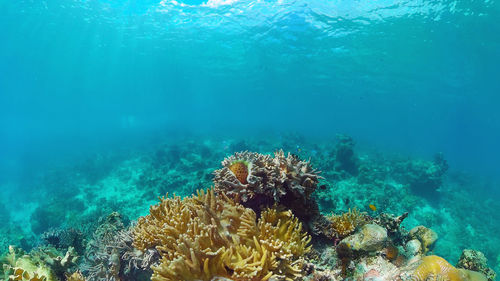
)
(476, 261)
(209, 236)
(423, 177)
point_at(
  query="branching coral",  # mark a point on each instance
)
(110, 255)
(346, 223)
(208, 235)
(261, 176)
(258, 181)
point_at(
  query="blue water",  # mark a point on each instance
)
(417, 76)
(411, 77)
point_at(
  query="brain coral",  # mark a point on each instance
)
(437, 268)
(257, 180)
(208, 235)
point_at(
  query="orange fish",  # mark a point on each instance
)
(372, 207)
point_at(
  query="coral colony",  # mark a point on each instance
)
(260, 221)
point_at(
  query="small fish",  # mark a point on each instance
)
(347, 201)
(372, 207)
(322, 187)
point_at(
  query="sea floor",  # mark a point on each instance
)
(81, 194)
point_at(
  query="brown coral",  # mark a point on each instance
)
(261, 179)
(346, 223)
(208, 235)
(258, 181)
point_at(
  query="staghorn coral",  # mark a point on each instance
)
(437, 268)
(346, 223)
(258, 181)
(208, 236)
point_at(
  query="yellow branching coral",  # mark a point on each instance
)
(437, 268)
(75, 276)
(208, 235)
(346, 223)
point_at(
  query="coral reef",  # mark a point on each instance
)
(426, 236)
(437, 267)
(75, 276)
(208, 235)
(370, 238)
(346, 223)
(111, 256)
(476, 261)
(67, 204)
(64, 238)
(258, 181)
(393, 225)
(41, 264)
(345, 158)
(423, 177)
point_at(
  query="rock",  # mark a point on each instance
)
(413, 248)
(370, 238)
(426, 236)
(476, 261)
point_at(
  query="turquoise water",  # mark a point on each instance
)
(86, 80)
